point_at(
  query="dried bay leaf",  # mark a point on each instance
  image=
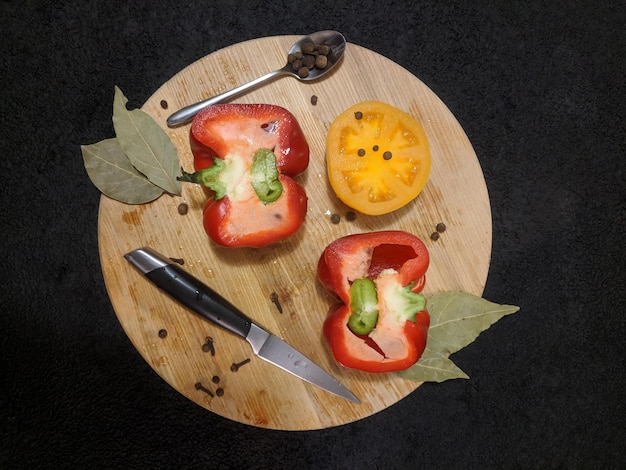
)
(433, 366)
(147, 146)
(112, 173)
(456, 320)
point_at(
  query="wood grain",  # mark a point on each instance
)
(260, 394)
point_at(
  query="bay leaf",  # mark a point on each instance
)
(112, 173)
(456, 320)
(146, 144)
(433, 366)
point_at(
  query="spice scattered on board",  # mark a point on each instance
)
(440, 228)
(208, 346)
(201, 387)
(183, 208)
(276, 301)
(236, 365)
(162, 333)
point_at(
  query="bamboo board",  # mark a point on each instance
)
(260, 394)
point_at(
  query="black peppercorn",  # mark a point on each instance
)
(335, 218)
(440, 227)
(307, 48)
(321, 61)
(324, 49)
(162, 333)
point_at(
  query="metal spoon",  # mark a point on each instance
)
(333, 39)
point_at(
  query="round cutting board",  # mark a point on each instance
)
(258, 393)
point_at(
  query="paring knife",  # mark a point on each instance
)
(204, 301)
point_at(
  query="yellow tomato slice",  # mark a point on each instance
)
(377, 156)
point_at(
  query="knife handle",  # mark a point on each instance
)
(200, 298)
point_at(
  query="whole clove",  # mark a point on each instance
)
(276, 301)
(202, 388)
(208, 346)
(235, 366)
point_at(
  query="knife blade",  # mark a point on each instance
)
(204, 301)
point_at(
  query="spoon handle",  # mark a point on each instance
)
(188, 112)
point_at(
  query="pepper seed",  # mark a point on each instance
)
(183, 208)
(358, 115)
(313, 100)
(164, 104)
(434, 236)
(440, 227)
(219, 392)
(163, 333)
(335, 218)
(350, 216)
(375, 148)
(387, 155)
(361, 152)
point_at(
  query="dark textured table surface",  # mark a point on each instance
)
(538, 87)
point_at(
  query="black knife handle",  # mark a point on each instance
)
(200, 298)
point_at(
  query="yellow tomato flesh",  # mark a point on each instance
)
(378, 157)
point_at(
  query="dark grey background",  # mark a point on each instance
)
(539, 89)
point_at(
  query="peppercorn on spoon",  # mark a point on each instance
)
(207, 303)
(333, 39)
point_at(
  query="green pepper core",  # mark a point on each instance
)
(265, 176)
(413, 302)
(208, 177)
(364, 305)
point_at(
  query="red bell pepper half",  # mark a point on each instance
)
(381, 324)
(246, 155)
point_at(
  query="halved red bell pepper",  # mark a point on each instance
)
(381, 324)
(246, 155)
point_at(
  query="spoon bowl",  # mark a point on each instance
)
(333, 39)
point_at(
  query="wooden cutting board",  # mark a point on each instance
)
(260, 394)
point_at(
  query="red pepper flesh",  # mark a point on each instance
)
(234, 133)
(397, 262)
